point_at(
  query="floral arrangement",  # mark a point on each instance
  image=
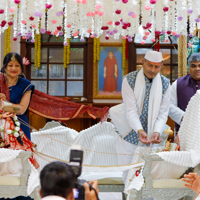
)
(16, 132)
(37, 50)
(90, 18)
(98, 48)
(66, 53)
(123, 53)
(7, 41)
(95, 50)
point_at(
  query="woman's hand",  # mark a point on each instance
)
(3, 96)
(7, 114)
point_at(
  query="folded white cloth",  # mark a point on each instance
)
(10, 165)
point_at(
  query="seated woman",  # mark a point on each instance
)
(16, 89)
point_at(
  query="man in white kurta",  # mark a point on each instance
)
(141, 119)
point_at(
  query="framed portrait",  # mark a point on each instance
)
(108, 72)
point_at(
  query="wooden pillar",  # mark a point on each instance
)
(184, 58)
(180, 56)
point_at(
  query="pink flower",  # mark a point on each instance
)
(117, 23)
(157, 32)
(118, 12)
(165, 9)
(98, 6)
(25, 61)
(152, 1)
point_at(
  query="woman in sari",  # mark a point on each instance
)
(16, 89)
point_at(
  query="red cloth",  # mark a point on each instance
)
(60, 109)
(56, 108)
(110, 82)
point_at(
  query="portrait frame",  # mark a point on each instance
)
(98, 67)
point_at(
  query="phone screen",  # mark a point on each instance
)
(76, 193)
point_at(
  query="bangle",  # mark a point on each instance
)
(140, 130)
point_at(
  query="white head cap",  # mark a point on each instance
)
(153, 56)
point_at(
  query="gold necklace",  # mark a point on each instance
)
(12, 83)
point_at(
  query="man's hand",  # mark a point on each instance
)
(3, 96)
(155, 138)
(194, 181)
(91, 195)
(143, 137)
(104, 75)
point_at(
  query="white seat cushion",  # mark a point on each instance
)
(9, 180)
(111, 181)
(168, 183)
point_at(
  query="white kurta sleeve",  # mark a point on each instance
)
(163, 113)
(130, 106)
(175, 112)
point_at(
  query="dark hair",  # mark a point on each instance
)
(7, 59)
(57, 178)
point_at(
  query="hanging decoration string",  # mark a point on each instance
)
(95, 50)
(98, 48)
(36, 51)
(124, 53)
(65, 56)
(68, 51)
(7, 40)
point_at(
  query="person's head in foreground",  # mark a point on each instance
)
(58, 179)
(152, 64)
(194, 66)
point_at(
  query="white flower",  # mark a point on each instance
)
(21, 133)
(17, 123)
(16, 134)
(9, 131)
(17, 128)
(15, 117)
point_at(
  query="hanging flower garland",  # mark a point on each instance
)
(95, 50)
(98, 48)
(39, 50)
(124, 53)
(36, 51)
(65, 56)
(68, 51)
(7, 41)
(89, 18)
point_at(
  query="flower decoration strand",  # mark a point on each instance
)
(98, 48)
(95, 50)
(124, 53)
(68, 51)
